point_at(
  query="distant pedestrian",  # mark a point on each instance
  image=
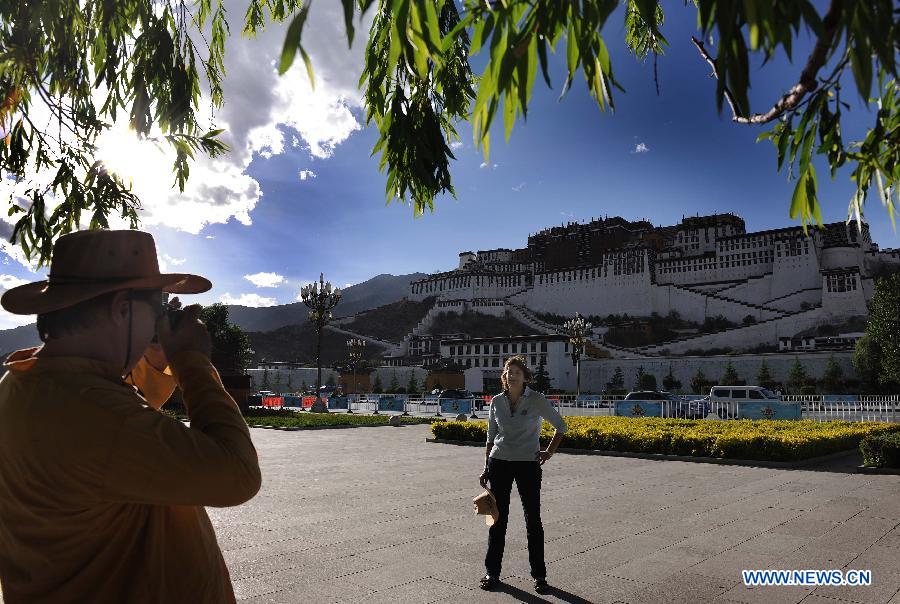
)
(514, 453)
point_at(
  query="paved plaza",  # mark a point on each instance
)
(379, 515)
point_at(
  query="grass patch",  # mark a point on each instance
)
(286, 418)
(761, 440)
(291, 419)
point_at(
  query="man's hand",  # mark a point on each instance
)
(483, 479)
(190, 334)
(543, 456)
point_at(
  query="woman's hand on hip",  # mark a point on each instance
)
(543, 456)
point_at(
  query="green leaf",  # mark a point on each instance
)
(348, 20)
(292, 39)
(798, 199)
(861, 65)
(309, 69)
(542, 55)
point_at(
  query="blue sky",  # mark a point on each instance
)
(568, 162)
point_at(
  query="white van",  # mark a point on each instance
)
(724, 401)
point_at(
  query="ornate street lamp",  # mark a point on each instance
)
(356, 347)
(579, 331)
(320, 298)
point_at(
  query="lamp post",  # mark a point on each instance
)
(320, 298)
(355, 346)
(578, 330)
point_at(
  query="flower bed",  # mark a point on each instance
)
(762, 440)
(881, 450)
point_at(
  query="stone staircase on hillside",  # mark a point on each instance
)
(747, 305)
(649, 348)
(390, 346)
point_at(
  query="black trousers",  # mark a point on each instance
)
(527, 475)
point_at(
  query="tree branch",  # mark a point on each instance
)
(807, 83)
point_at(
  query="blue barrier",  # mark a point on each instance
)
(391, 403)
(456, 405)
(769, 410)
(639, 408)
(292, 401)
(337, 402)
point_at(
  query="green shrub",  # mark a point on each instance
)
(764, 440)
(881, 450)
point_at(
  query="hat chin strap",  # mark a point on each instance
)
(128, 349)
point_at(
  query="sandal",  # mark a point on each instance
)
(488, 582)
(541, 586)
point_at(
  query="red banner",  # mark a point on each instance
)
(273, 401)
(308, 401)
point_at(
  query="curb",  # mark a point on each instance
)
(664, 457)
(868, 470)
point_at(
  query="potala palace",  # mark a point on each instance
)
(724, 296)
(772, 284)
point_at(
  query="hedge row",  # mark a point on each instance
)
(306, 420)
(761, 440)
(881, 450)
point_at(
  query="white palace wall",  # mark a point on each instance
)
(614, 294)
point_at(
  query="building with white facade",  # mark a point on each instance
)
(774, 283)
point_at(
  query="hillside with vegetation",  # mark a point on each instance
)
(478, 325)
(390, 322)
(297, 344)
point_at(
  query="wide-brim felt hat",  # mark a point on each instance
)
(87, 264)
(486, 505)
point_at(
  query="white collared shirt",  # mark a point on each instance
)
(516, 435)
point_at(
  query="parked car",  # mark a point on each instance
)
(456, 393)
(650, 395)
(725, 400)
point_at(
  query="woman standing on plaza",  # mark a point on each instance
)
(514, 453)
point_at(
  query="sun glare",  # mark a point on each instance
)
(136, 161)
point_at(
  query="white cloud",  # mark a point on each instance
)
(304, 174)
(10, 321)
(456, 145)
(641, 148)
(519, 186)
(252, 300)
(491, 166)
(567, 214)
(167, 262)
(9, 282)
(265, 279)
(259, 106)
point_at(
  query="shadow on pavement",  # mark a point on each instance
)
(524, 596)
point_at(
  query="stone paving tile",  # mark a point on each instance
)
(379, 515)
(423, 590)
(682, 587)
(765, 595)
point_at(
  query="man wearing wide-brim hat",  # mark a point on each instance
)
(101, 495)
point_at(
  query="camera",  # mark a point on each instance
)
(175, 314)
